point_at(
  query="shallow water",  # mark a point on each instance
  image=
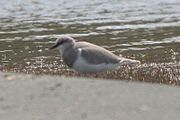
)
(148, 31)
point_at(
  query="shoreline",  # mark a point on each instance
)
(152, 73)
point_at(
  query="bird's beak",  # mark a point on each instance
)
(54, 46)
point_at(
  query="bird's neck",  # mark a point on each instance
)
(64, 49)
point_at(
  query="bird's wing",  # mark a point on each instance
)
(98, 55)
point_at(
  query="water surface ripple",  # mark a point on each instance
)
(138, 29)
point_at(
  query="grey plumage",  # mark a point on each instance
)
(97, 55)
(87, 57)
(70, 57)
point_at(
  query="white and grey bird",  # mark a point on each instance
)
(86, 57)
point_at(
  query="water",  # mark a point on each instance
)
(148, 31)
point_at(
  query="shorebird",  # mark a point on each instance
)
(86, 57)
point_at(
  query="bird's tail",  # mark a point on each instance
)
(126, 61)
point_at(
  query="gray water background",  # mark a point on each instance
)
(146, 30)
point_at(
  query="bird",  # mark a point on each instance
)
(85, 57)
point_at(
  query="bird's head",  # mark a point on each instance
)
(63, 43)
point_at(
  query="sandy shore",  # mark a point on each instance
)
(162, 73)
(30, 97)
